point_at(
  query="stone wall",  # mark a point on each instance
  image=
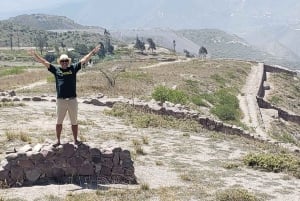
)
(267, 105)
(277, 69)
(281, 113)
(175, 110)
(67, 163)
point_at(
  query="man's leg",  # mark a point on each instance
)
(58, 132)
(75, 132)
(61, 110)
(73, 111)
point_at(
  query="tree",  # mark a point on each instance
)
(41, 42)
(187, 53)
(140, 45)
(108, 47)
(82, 49)
(62, 45)
(74, 55)
(202, 52)
(11, 41)
(101, 53)
(151, 44)
(174, 45)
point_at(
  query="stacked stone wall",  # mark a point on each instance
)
(267, 105)
(66, 163)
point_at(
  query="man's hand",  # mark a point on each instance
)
(96, 49)
(38, 58)
(31, 52)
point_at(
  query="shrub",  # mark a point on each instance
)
(225, 112)
(227, 105)
(275, 100)
(235, 195)
(274, 162)
(12, 71)
(198, 100)
(163, 94)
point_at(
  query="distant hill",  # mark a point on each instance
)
(218, 43)
(25, 36)
(25, 28)
(224, 45)
(45, 22)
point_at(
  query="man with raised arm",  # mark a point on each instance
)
(65, 78)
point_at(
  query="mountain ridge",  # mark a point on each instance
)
(219, 43)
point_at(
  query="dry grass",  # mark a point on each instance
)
(29, 76)
(286, 91)
(195, 155)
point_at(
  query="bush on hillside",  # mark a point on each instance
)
(227, 105)
(235, 194)
(163, 94)
(274, 162)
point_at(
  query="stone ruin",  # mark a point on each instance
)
(67, 163)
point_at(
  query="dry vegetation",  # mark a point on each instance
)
(176, 160)
(287, 93)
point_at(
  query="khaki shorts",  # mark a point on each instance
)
(64, 105)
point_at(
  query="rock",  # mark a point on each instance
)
(33, 175)
(43, 162)
(36, 99)
(12, 93)
(86, 170)
(25, 148)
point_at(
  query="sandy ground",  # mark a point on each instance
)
(169, 154)
(197, 152)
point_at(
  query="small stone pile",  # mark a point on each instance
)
(67, 163)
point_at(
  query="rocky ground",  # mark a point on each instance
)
(189, 161)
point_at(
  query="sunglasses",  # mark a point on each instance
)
(67, 61)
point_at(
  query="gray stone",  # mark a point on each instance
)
(16, 173)
(76, 161)
(37, 147)
(86, 170)
(26, 99)
(106, 171)
(4, 174)
(68, 150)
(25, 148)
(57, 172)
(11, 156)
(95, 152)
(33, 175)
(36, 99)
(12, 93)
(125, 154)
(25, 163)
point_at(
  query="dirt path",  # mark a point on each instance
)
(167, 63)
(248, 103)
(30, 86)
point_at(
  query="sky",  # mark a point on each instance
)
(85, 12)
(134, 13)
(19, 7)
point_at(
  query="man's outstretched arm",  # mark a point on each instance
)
(87, 57)
(39, 58)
